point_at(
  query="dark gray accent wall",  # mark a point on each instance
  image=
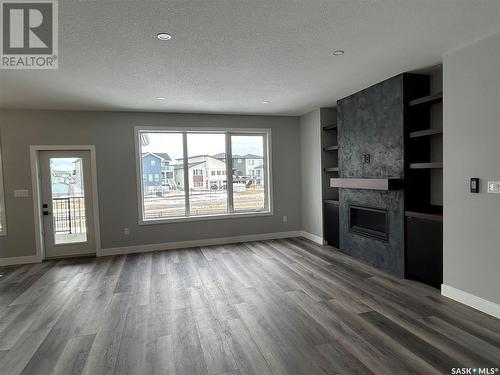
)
(371, 122)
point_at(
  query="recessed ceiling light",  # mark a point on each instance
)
(164, 36)
(266, 102)
(161, 98)
(337, 52)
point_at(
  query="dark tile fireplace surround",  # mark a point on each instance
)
(371, 215)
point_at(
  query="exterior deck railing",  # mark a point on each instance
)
(69, 215)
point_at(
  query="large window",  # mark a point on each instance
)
(207, 173)
(3, 225)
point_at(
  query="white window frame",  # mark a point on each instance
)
(3, 215)
(267, 172)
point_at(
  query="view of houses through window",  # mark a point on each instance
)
(163, 194)
(248, 171)
(207, 187)
(168, 193)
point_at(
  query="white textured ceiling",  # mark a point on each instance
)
(228, 56)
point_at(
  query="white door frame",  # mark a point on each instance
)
(35, 184)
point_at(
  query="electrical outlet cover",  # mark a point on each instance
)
(22, 193)
(494, 187)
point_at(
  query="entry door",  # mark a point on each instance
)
(66, 192)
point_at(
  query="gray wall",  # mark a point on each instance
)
(113, 135)
(472, 149)
(310, 168)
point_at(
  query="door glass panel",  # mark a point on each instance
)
(249, 180)
(68, 200)
(207, 174)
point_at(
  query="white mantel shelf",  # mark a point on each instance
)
(367, 183)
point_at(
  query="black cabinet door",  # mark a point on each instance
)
(424, 250)
(331, 224)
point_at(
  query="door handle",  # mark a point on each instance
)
(46, 213)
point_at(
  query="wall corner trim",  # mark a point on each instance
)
(471, 300)
(313, 237)
(196, 243)
(11, 261)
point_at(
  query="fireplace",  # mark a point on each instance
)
(369, 222)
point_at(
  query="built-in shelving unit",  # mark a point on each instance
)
(434, 165)
(331, 169)
(425, 133)
(331, 201)
(436, 215)
(423, 183)
(428, 99)
(331, 148)
(329, 166)
(330, 127)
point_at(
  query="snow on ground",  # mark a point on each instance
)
(202, 203)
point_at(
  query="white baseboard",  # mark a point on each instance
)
(19, 260)
(312, 237)
(471, 300)
(196, 243)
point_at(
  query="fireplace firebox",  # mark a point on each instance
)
(369, 222)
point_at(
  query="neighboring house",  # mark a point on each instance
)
(205, 172)
(156, 169)
(167, 170)
(238, 163)
(251, 163)
(243, 165)
(63, 184)
(196, 175)
(238, 166)
(259, 175)
(78, 176)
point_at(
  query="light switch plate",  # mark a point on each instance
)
(21, 193)
(494, 187)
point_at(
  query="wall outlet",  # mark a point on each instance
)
(494, 187)
(285, 219)
(126, 231)
(21, 193)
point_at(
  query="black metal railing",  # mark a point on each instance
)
(69, 215)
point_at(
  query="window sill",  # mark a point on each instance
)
(206, 218)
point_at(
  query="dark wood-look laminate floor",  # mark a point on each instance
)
(271, 307)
